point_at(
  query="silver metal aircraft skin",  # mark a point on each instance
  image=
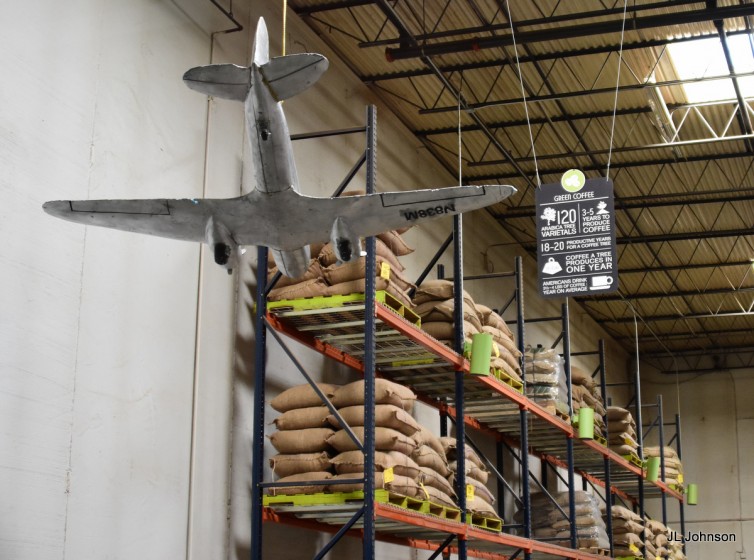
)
(274, 213)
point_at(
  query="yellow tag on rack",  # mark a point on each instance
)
(426, 494)
(633, 548)
(469, 492)
(496, 349)
(385, 271)
(628, 441)
(680, 478)
(388, 476)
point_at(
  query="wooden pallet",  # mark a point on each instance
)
(382, 496)
(484, 522)
(332, 302)
(503, 376)
(634, 459)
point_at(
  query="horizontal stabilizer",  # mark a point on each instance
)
(227, 81)
(289, 75)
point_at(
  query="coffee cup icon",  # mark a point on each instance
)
(601, 282)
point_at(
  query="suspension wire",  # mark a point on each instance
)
(285, 23)
(460, 145)
(523, 93)
(617, 84)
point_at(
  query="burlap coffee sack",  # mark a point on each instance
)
(444, 310)
(480, 506)
(385, 439)
(302, 396)
(353, 462)
(399, 485)
(436, 496)
(301, 418)
(356, 270)
(385, 392)
(425, 437)
(440, 290)
(385, 416)
(310, 440)
(359, 287)
(449, 445)
(314, 270)
(308, 288)
(425, 456)
(444, 330)
(430, 477)
(491, 319)
(327, 256)
(481, 491)
(287, 465)
(304, 488)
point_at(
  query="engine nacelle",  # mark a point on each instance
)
(224, 248)
(346, 245)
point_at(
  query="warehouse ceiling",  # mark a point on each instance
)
(679, 147)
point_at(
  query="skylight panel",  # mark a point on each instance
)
(705, 57)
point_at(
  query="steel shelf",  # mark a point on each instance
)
(408, 355)
(400, 526)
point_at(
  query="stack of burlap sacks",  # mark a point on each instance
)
(622, 430)
(301, 440)
(548, 522)
(673, 466)
(326, 277)
(545, 379)
(586, 393)
(477, 476)
(435, 305)
(313, 446)
(630, 535)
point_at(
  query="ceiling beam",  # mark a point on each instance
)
(701, 351)
(582, 93)
(660, 318)
(655, 295)
(540, 57)
(331, 6)
(552, 19)
(690, 266)
(652, 201)
(685, 335)
(557, 33)
(706, 370)
(613, 165)
(424, 133)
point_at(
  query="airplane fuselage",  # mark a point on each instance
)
(272, 157)
(271, 147)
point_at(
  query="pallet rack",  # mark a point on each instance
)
(375, 339)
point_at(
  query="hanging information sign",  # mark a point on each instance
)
(576, 251)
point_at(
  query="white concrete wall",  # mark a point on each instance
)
(105, 337)
(125, 369)
(718, 453)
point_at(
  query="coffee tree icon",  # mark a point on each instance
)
(549, 215)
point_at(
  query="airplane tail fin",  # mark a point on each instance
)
(285, 76)
(261, 48)
(226, 81)
(289, 75)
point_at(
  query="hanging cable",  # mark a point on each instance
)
(460, 145)
(617, 84)
(285, 23)
(523, 93)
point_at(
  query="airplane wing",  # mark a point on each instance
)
(375, 213)
(176, 219)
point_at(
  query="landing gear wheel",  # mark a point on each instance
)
(222, 253)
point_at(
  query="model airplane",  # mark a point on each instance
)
(273, 214)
